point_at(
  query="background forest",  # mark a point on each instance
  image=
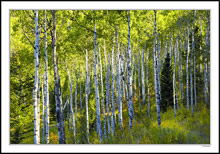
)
(109, 76)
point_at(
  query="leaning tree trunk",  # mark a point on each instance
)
(103, 104)
(130, 102)
(96, 89)
(113, 97)
(156, 74)
(36, 84)
(86, 100)
(57, 84)
(46, 84)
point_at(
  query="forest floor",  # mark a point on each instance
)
(184, 129)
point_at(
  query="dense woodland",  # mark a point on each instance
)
(109, 76)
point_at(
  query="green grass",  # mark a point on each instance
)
(184, 129)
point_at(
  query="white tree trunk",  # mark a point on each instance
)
(96, 89)
(86, 100)
(46, 112)
(187, 74)
(194, 59)
(80, 89)
(130, 102)
(61, 133)
(76, 101)
(107, 89)
(103, 104)
(36, 84)
(143, 78)
(113, 95)
(156, 76)
(148, 92)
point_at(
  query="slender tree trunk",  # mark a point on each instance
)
(174, 83)
(143, 78)
(206, 67)
(68, 112)
(57, 84)
(80, 89)
(148, 92)
(191, 70)
(113, 95)
(96, 89)
(194, 60)
(107, 89)
(43, 115)
(86, 99)
(103, 104)
(139, 78)
(76, 101)
(36, 83)
(130, 102)
(46, 112)
(156, 75)
(187, 74)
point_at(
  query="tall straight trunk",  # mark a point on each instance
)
(130, 102)
(43, 115)
(170, 47)
(88, 80)
(139, 78)
(46, 112)
(86, 100)
(187, 74)
(119, 98)
(159, 62)
(179, 71)
(206, 66)
(36, 83)
(80, 89)
(174, 82)
(156, 74)
(71, 100)
(176, 53)
(103, 104)
(135, 70)
(61, 133)
(68, 112)
(193, 45)
(191, 70)
(96, 89)
(148, 92)
(107, 89)
(121, 86)
(143, 78)
(113, 95)
(76, 101)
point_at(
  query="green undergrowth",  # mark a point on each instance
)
(184, 129)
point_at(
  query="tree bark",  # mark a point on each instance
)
(36, 83)
(61, 133)
(156, 75)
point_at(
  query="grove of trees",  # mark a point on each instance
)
(141, 76)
